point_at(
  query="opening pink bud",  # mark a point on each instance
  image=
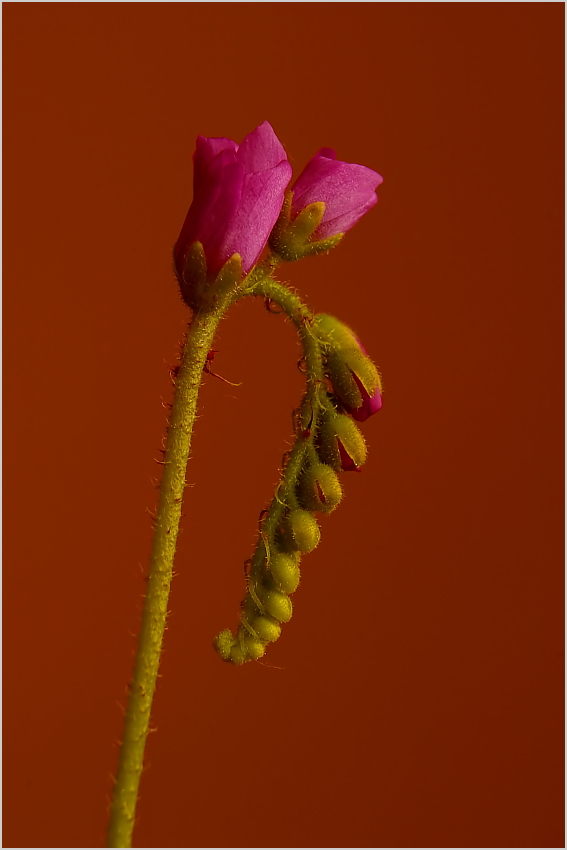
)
(348, 191)
(370, 404)
(353, 375)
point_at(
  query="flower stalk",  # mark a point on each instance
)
(178, 444)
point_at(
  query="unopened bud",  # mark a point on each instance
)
(320, 489)
(355, 378)
(223, 644)
(278, 605)
(254, 648)
(266, 628)
(302, 529)
(285, 572)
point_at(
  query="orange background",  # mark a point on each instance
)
(415, 700)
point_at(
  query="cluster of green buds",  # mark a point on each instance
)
(343, 385)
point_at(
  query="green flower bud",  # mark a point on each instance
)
(350, 371)
(302, 529)
(255, 648)
(354, 376)
(267, 629)
(285, 572)
(344, 386)
(278, 605)
(355, 380)
(341, 444)
(320, 489)
(223, 644)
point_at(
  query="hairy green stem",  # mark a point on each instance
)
(197, 345)
(305, 418)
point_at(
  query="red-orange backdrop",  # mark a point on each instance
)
(415, 700)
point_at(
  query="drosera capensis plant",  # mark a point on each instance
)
(242, 204)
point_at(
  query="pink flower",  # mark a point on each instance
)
(347, 190)
(238, 192)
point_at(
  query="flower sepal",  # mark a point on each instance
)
(354, 376)
(341, 445)
(320, 489)
(291, 239)
(197, 290)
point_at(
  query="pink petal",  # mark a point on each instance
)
(370, 404)
(317, 170)
(261, 150)
(348, 191)
(259, 208)
(206, 150)
(368, 408)
(217, 191)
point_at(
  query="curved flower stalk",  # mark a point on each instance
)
(241, 204)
